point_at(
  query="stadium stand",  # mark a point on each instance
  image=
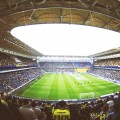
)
(108, 62)
(100, 109)
(8, 61)
(107, 69)
(61, 112)
(65, 66)
(106, 108)
(26, 61)
(109, 74)
(11, 80)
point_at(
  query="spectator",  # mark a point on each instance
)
(34, 108)
(61, 113)
(116, 114)
(5, 113)
(26, 112)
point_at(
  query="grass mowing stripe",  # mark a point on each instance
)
(49, 85)
(67, 86)
(52, 94)
(71, 91)
(27, 90)
(36, 89)
(62, 92)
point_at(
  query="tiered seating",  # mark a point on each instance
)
(108, 62)
(64, 66)
(58, 69)
(6, 60)
(111, 72)
(113, 75)
(27, 61)
(11, 80)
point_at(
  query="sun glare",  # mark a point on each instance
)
(67, 40)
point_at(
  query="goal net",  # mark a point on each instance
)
(87, 95)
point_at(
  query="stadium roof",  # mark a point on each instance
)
(99, 13)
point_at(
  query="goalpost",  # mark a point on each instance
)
(87, 95)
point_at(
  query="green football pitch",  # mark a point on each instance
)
(63, 86)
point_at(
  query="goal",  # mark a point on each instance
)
(87, 95)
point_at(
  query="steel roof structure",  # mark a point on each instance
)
(99, 13)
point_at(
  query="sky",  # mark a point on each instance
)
(67, 39)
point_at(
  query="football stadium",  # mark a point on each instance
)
(52, 67)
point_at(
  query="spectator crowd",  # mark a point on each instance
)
(15, 108)
(12, 80)
(112, 75)
(12, 61)
(108, 62)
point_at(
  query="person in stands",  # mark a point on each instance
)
(116, 112)
(5, 113)
(61, 113)
(26, 112)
